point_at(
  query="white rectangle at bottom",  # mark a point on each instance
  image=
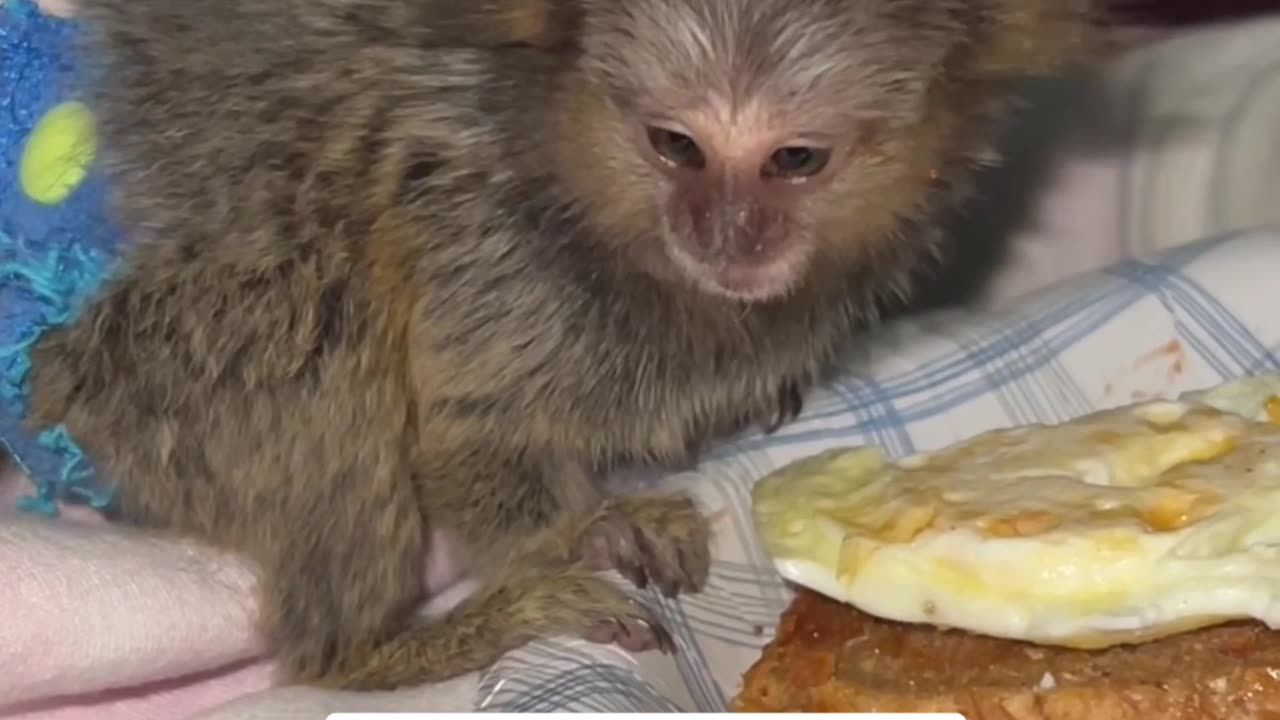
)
(648, 716)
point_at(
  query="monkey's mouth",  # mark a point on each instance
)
(749, 280)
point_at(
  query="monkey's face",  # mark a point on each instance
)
(733, 197)
(743, 147)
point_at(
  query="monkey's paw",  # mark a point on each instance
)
(596, 610)
(659, 540)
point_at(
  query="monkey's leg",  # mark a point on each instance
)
(342, 571)
(549, 588)
(528, 603)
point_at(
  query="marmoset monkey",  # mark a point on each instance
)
(405, 269)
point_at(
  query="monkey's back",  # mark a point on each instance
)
(244, 142)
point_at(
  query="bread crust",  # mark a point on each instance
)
(829, 657)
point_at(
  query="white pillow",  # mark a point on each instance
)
(1176, 141)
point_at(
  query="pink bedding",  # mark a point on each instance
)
(103, 623)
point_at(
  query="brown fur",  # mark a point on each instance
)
(399, 268)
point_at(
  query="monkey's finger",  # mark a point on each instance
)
(662, 560)
(679, 560)
(632, 569)
(695, 560)
(633, 635)
(666, 643)
(794, 399)
(789, 405)
(672, 539)
(775, 423)
(611, 541)
(624, 552)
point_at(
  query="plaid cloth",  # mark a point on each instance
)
(1189, 318)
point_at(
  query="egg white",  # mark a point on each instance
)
(1127, 525)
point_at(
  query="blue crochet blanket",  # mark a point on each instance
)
(56, 243)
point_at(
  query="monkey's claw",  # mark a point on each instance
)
(785, 406)
(790, 404)
(664, 541)
(632, 635)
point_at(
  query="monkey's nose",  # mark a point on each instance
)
(738, 232)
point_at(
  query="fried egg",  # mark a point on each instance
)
(1121, 526)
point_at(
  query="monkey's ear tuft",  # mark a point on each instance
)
(537, 24)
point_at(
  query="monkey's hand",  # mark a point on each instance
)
(658, 540)
(663, 541)
(787, 405)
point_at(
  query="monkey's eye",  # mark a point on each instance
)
(677, 149)
(796, 162)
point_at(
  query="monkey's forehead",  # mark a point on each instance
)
(860, 51)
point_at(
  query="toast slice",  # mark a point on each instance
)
(828, 656)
